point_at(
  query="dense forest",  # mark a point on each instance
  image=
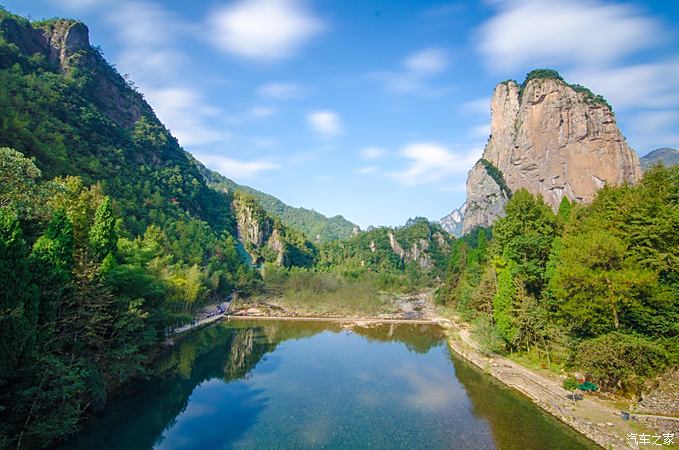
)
(111, 234)
(594, 288)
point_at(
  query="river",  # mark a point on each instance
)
(289, 384)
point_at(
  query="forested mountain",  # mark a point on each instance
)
(665, 155)
(109, 233)
(419, 246)
(316, 226)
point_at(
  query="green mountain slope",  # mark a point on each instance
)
(668, 156)
(313, 224)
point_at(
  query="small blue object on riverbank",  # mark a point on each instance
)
(624, 415)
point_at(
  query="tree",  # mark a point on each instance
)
(102, 235)
(598, 284)
(18, 295)
(571, 385)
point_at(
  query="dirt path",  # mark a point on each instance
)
(592, 417)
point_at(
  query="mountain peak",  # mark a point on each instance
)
(551, 138)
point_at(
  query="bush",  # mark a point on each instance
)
(488, 336)
(620, 361)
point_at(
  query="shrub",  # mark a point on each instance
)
(620, 361)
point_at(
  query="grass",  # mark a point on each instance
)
(328, 294)
(537, 362)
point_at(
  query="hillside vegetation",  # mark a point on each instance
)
(592, 288)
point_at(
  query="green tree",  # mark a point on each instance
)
(18, 296)
(102, 235)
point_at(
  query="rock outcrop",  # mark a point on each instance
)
(453, 222)
(551, 138)
(65, 47)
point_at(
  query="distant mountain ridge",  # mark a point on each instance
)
(316, 226)
(668, 156)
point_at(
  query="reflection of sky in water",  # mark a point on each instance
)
(391, 387)
(335, 390)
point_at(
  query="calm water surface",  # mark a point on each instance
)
(282, 384)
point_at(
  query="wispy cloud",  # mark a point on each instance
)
(186, 113)
(591, 42)
(261, 112)
(149, 36)
(372, 153)
(417, 69)
(233, 168)
(478, 106)
(280, 90)
(366, 170)
(586, 32)
(263, 29)
(429, 162)
(326, 123)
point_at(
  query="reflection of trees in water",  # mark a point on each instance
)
(515, 422)
(246, 349)
(419, 338)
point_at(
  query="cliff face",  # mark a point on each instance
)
(65, 44)
(553, 139)
(452, 223)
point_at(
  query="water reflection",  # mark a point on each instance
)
(266, 384)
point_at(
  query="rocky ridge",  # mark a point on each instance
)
(453, 222)
(550, 138)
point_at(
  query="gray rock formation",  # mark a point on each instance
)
(452, 223)
(551, 138)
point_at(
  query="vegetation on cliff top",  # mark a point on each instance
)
(496, 175)
(538, 74)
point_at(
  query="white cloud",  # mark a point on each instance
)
(532, 33)
(366, 170)
(427, 62)
(325, 123)
(234, 168)
(280, 90)
(372, 153)
(416, 70)
(185, 112)
(263, 29)
(431, 162)
(654, 85)
(480, 131)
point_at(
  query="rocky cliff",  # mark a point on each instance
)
(453, 222)
(265, 238)
(551, 138)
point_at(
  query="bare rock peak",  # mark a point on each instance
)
(551, 138)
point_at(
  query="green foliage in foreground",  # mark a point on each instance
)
(81, 308)
(598, 282)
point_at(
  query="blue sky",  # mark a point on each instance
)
(374, 110)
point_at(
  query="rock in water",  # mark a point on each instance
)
(551, 138)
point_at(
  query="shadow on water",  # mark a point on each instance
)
(514, 421)
(137, 417)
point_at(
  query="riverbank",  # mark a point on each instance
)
(593, 416)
